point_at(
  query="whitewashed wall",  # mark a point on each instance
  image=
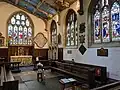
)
(112, 62)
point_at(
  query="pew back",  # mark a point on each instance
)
(7, 79)
(84, 72)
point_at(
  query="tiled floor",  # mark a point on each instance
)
(28, 81)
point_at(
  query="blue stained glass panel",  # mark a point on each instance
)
(41, 14)
(115, 21)
(22, 3)
(33, 2)
(97, 31)
(45, 7)
(105, 25)
(51, 11)
(30, 8)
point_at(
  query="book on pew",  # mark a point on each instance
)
(71, 79)
(67, 80)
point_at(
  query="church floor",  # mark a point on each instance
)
(28, 81)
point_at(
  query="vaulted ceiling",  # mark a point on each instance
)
(44, 9)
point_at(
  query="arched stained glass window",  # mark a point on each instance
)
(105, 25)
(71, 29)
(20, 29)
(97, 32)
(105, 22)
(53, 33)
(115, 21)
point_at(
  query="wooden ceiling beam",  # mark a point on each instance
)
(24, 9)
(40, 3)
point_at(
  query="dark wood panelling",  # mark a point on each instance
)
(42, 53)
(27, 50)
(4, 53)
(60, 53)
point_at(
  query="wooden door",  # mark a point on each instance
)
(60, 53)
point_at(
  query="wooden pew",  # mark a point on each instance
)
(7, 79)
(13, 66)
(83, 72)
(111, 86)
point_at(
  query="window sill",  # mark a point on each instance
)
(71, 47)
(110, 44)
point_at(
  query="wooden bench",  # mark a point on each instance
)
(83, 72)
(7, 81)
(111, 86)
(13, 66)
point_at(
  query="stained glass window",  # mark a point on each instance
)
(20, 29)
(97, 32)
(105, 25)
(106, 18)
(54, 33)
(115, 21)
(71, 29)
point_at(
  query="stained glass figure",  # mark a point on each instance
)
(97, 32)
(20, 30)
(25, 35)
(105, 25)
(15, 34)
(115, 21)
(10, 33)
(106, 21)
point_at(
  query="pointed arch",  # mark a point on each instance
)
(20, 29)
(104, 23)
(53, 30)
(71, 29)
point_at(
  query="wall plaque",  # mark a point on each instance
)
(82, 28)
(102, 52)
(82, 38)
(82, 49)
